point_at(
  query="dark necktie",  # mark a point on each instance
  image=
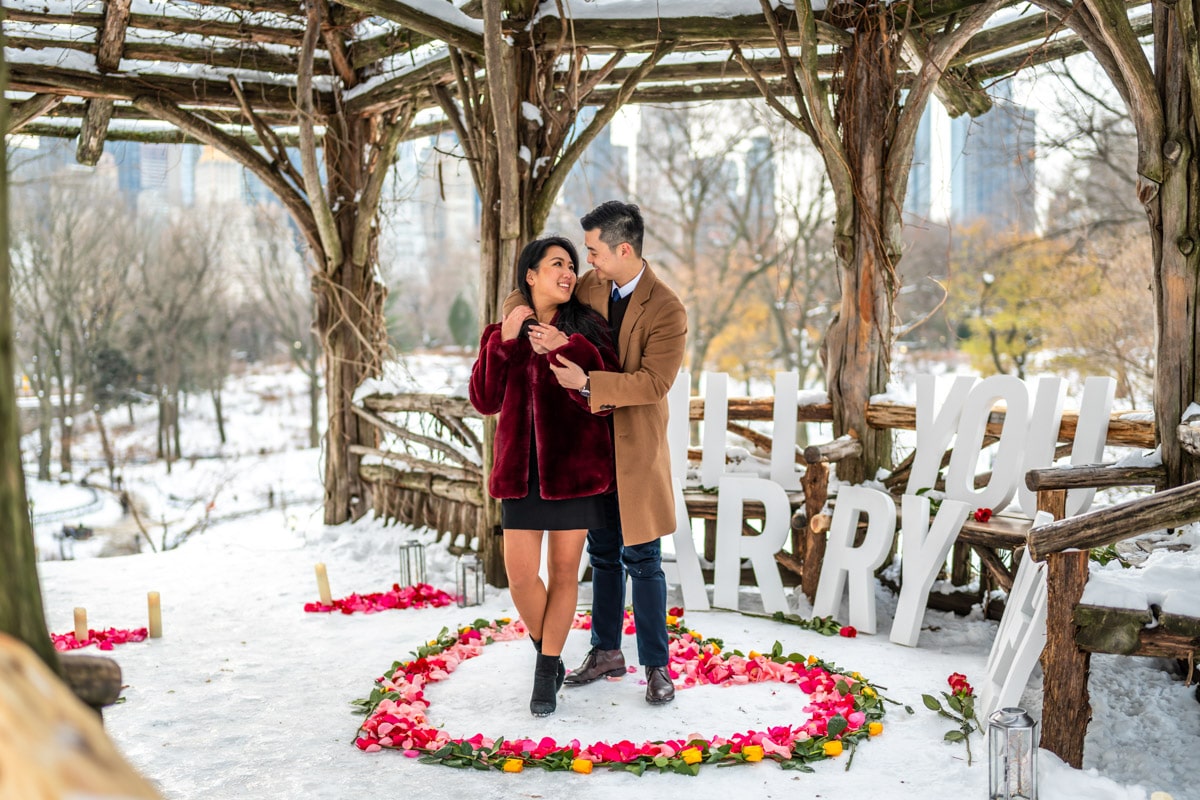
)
(616, 293)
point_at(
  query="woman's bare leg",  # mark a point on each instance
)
(562, 595)
(522, 559)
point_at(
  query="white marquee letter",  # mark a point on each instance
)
(937, 420)
(924, 552)
(960, 477)
(732, 546)
(845, 562)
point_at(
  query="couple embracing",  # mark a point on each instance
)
(579, 371)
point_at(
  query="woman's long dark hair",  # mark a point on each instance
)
(573, 316)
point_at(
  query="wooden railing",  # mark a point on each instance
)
(1074, 631)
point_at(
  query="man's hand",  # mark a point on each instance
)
(570, 375)
(511, 327)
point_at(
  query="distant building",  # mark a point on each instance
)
(601, 173)
(994, 166)
(919, 198)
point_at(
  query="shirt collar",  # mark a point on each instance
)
(628, 288)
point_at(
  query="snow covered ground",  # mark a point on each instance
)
(247, 696)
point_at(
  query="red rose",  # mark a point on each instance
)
(849, 631)
(983, 514)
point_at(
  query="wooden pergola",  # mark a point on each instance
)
(347, 81)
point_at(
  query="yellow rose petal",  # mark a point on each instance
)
(753, 752)
(833, 749)
(691, 755)
(513, 765)
(754, 654)
(582, 766)
(812, 659)
(875, 728)
(672, 619)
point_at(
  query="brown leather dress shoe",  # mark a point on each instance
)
(597, 664)
(659, 688)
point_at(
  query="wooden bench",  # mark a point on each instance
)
(1075, 631)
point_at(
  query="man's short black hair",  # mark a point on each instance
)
(617, 222)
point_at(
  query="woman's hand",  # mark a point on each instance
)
(511, 327)
(545, 338)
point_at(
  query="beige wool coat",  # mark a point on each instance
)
(651, 347)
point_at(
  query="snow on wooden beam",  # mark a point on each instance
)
(38, 78)
(452, 27)
(253, 58)
(207, 29)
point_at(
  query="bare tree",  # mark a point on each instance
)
(175, 276)
(69, 285)
(285, 301)
(709, 208)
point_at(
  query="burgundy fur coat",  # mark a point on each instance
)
(574, 446)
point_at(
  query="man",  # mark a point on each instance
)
(649, 327)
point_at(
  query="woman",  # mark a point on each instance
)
(553, 458)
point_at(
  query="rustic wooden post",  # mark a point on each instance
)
(815, 483)
(1066, 708)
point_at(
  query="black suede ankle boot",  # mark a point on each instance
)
(562, 669)
(545, 685)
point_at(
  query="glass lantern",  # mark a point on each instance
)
(1012, 755)
(412, 563)
(469, 586)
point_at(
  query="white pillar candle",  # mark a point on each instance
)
(81, 628)
(323, 586)
(155, 604)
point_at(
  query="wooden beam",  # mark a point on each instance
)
(262, 34)
(73, 109)
(148, 136)
(423, 22)
(93, 130)
(285, 7)
(365, 52)
(182, 91)
(110, 42)
(111, 38)
(248, 57)
(1123, 430)
(25, 112)
(1094, 477)
(1169, 509)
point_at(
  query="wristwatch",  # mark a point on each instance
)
(586, 389)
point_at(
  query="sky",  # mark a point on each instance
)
(248, 696)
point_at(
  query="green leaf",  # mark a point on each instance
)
(661, 761)
(931, 702)
(837, 723)
(954, 736)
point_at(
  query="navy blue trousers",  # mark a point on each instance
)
(611, 560)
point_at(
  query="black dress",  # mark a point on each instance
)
(533, 513)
